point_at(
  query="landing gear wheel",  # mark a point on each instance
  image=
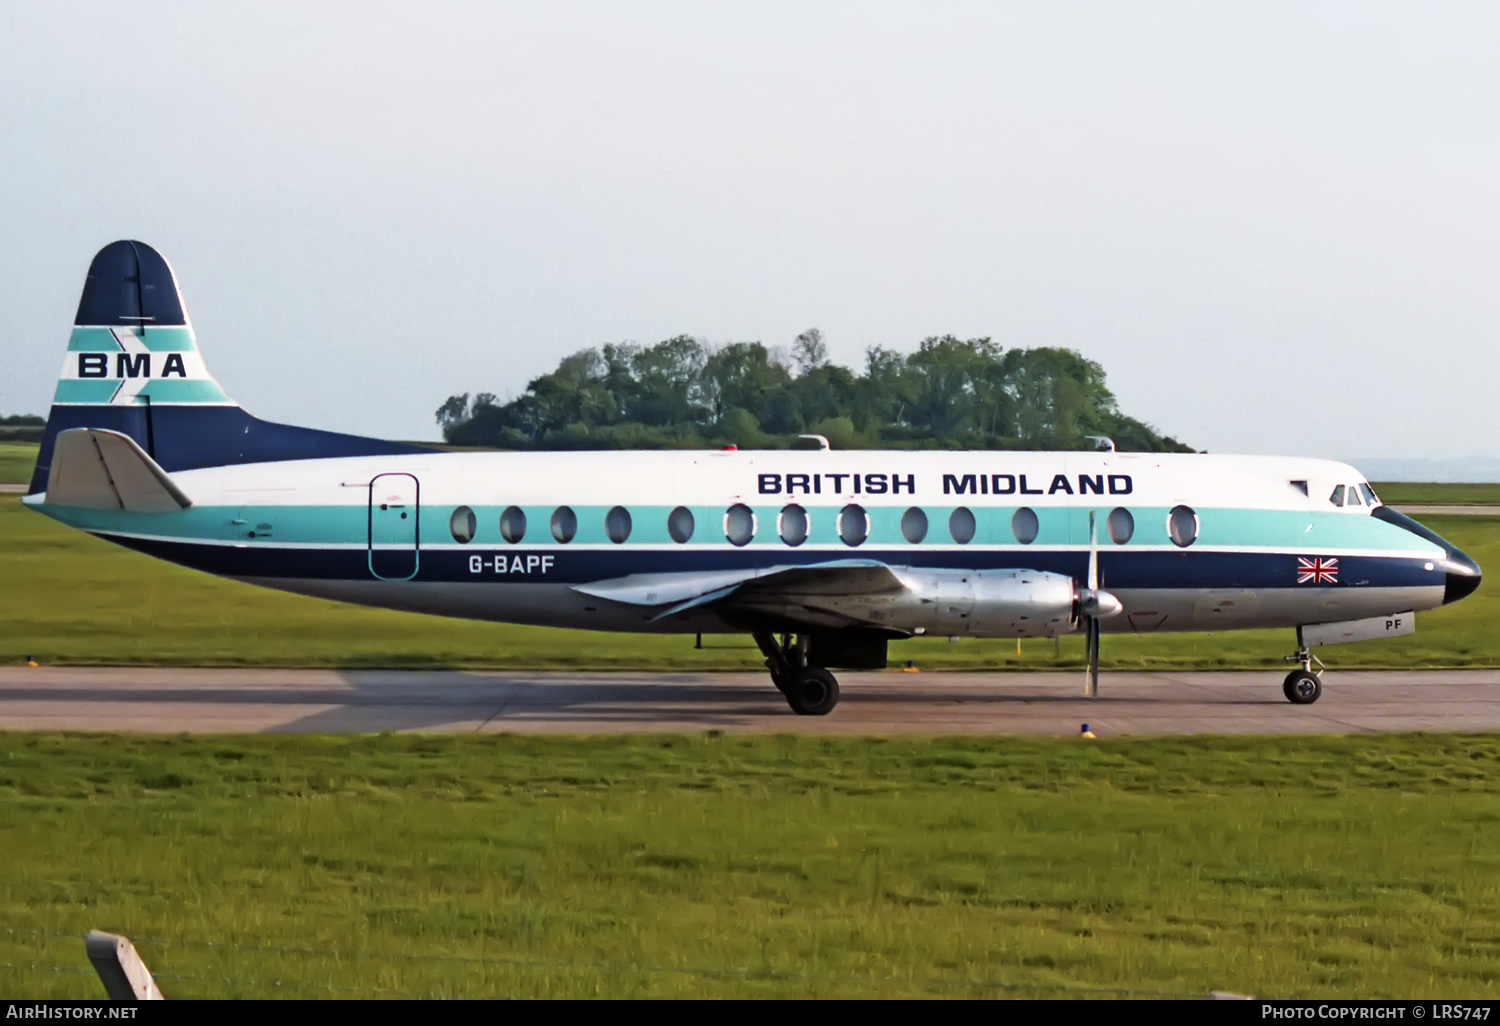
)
(813, 692)
(782, 681)
(1302, 687)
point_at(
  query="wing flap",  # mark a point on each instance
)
(663, 589)
(97, 469)
(752, 589)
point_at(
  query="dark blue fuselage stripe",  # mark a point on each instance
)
(1120, 570)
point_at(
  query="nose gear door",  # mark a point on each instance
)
(393, 527)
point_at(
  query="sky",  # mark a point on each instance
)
(1275, 225)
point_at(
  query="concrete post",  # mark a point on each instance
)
(124, 975)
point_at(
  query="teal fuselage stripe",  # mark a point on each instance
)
(1321, 533)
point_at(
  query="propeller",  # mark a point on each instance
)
(1093, 605)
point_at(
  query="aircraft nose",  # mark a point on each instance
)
(1461, 573)
(1463, 576)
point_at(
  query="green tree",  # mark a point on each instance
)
(949, 393)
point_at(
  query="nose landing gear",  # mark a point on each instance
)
(809, 690)
(1304, 686)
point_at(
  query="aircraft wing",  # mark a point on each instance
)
(810, 593)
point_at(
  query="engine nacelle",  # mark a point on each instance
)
(989, 603)
(973, 603)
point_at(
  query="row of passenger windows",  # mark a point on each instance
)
(793, 525)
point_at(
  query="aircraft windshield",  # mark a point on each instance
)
(1360, 494)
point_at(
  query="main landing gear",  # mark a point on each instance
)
(1304, 686)
(809, 690)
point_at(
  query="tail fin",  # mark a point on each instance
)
(133, 367)
(132, 343)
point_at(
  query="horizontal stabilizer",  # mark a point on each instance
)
(98, 469)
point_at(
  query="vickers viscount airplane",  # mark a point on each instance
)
(821, 556)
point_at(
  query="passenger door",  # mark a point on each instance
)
(393, 547)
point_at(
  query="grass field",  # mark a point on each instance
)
(17, 460)
(1408, 493)
(720, 866)
(726, 866)
(70, 598)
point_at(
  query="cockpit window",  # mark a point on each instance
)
(1371, 499)
(1337, 498)
(1354, 496)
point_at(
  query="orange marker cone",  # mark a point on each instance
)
(910, 667)
(30, 661)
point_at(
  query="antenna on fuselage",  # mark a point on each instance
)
(822, 441)
(1102, 443)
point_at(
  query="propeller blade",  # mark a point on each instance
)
(1091, 681)
(1089, 607)
(1092, 604)
(1093, 554)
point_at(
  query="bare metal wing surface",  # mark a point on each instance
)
(863, 593)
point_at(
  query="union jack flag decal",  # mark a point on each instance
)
(1317, 570)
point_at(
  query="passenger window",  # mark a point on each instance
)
(914, 525)
(1025, 526)
(1182, 526)
(854, 524)
(792, 525)
(564, 524)
(617, 524)
(1120, 525)
(462, 524)
(739, 524)
(680, 525)
(512, 524)
(961, 525)
(1337, 498)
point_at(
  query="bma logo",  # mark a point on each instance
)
(128, 365)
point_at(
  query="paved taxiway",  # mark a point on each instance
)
(361, 701)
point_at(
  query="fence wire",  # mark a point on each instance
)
(708, 972)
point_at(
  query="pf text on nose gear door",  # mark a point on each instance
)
(393, 527)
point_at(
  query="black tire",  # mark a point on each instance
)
(781, 682)
(813, 692)
(1302, 687)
